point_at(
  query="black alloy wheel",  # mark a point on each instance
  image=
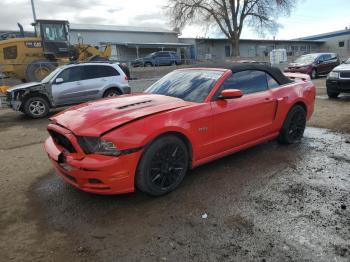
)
(293, 126)
(163, 166)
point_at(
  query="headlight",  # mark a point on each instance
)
(333, 75)
(95, 145)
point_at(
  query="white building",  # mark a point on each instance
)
(128, 42)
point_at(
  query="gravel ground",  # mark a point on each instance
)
(268, 203)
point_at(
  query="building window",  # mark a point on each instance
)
(295, 48)
(303, 48)
(341, 43)
(227, 50)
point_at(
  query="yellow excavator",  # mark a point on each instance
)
(32, 58)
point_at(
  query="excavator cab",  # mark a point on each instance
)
(54, 35)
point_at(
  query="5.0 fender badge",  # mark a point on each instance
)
(203, 129)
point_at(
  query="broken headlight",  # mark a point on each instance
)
(96, 145)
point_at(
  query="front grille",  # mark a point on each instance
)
(345, 74)
(62, 141)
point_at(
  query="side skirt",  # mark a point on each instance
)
(235, 149)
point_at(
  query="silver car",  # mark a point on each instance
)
(68, 85)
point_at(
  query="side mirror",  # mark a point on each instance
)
(59, 80)
(230, 94)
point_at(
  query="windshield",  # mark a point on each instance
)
(54, 32)
(306, 59)
(189, 85)
(347, 61)
(50, 76)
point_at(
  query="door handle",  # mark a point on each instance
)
(268, 99)
(78, 83)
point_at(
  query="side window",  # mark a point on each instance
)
(327, 57)
(271, 82)
(250, 81)
(91, 72)
(334, 56)
(71, 74)
(10, 52)
(320, 59)
(107, 71)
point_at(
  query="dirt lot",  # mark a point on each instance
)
(268, 203)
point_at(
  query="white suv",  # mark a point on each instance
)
(68, 85)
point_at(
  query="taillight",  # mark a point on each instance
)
(126, 78)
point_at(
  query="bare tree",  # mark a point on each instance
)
(230, 15)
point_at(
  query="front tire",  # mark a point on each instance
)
(36, 107)
(163, 166)
(293, 126)
(313, 74)
(332, 94)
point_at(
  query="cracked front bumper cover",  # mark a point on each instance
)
(98, 174)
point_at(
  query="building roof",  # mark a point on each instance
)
(149, 45)
(119, 28)
(326, 35)
(259, 40)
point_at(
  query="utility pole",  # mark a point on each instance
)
(33, 9)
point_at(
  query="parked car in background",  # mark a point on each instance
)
(338, 81)
(158, 59)
(314, 64)
(189, 117)
(68, 85)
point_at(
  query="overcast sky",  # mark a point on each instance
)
(310, 16)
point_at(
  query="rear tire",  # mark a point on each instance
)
(112, 92)
(293, 126)
(38, 70)
(163, 166)
(148, 64)
(36, 107)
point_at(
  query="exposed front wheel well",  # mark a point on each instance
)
(35, 94)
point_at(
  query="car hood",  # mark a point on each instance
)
(342, 67)
(98, 117)
(298, 64)
(24, 86)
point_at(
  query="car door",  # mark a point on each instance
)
(332, 62)
(66, 88)
(242, 120)
(93, 81)
(322, 65)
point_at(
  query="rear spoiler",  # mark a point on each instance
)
(297, 76)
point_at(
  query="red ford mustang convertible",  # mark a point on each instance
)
(189, 117)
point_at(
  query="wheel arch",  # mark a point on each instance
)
(110, 88)
(178, 134)
(302, 104)
(35, 94)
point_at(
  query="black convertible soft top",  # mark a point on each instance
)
(238, 67)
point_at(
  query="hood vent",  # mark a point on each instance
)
(134, 104)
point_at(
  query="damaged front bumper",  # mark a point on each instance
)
(92, 173)
(13, 101)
